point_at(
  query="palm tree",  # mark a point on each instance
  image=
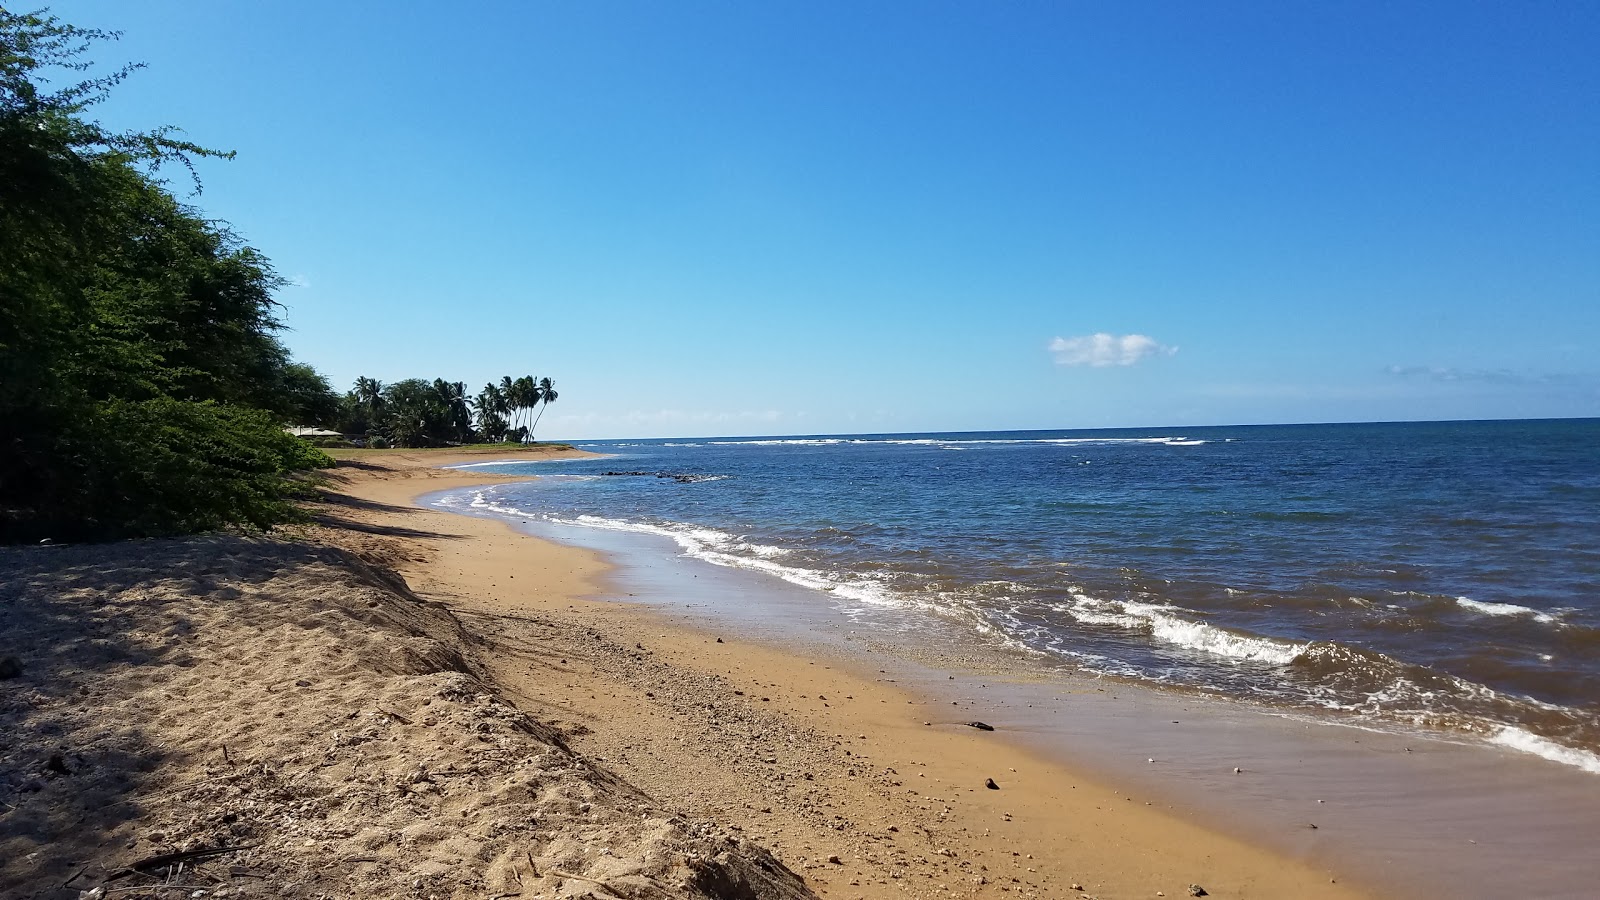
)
(369, 393)
(526, 397)
(510, 390)
(368, 398)
(547, 393)
(453, 396)
(492, 409)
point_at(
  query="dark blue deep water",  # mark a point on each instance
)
(1437, 574)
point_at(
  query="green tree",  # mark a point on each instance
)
(490, 409)
(142, 385)
(414, 415)
(453, 395)
(548, 395)
(306, 396)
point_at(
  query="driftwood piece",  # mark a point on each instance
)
(168, 860)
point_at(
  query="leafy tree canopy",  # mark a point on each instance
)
(143, 388)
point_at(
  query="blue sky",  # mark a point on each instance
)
(783, 217)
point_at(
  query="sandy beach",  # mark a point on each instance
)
(813, 758)
(285, 718)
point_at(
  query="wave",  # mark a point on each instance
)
(1528, 742)
(946, 442)
(719, 548)
(1487, 608)
(497, 462)
(1164, 624)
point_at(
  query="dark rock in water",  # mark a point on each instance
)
(989, 783)
(680, 478)
(981, 726)
(10, 667)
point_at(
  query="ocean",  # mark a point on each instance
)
(1441, 576)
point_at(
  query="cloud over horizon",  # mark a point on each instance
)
(1102, 349)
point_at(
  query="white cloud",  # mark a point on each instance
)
(1104, 349)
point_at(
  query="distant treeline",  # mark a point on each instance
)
(143, 390)
(419, 413)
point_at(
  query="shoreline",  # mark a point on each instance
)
(872, 760)
(1401, 812)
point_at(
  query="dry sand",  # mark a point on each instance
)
(373, 748)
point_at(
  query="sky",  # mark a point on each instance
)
(730, 218)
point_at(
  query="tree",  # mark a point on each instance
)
(307, 397)
(413, 414)
(490, 409)
(525, 398)
(369, 393)
(453, 395)
(547, 393)
(142, 386)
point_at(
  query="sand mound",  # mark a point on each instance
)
(273, 719)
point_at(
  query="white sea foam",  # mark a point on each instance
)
(707, 544)
(728, 550)
(1487, 608)
(1528, 742)
(774, 442)
(1163, 624)
(498, 462)
(949, 442)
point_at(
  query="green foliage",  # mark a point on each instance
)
(307, 398)
(419, 413)
(142, 386)
(164, 466)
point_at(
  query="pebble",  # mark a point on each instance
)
(989, 783)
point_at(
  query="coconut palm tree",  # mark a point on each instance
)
(508, 394)
(525, 398)
(491, 409)
(547, 393)
(369, 393)
(453, 397)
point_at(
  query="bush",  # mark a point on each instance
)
(159, 467)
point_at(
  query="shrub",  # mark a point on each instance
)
(163, 466)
